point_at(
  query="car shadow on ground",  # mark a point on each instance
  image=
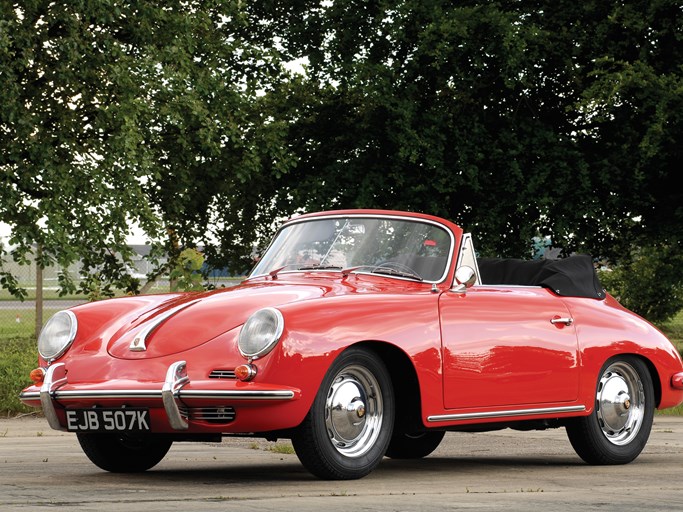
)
(290, 470)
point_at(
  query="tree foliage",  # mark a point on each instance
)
(517, 120)
(115, 113)
(186, 275)
(513, 118)
(649, 283)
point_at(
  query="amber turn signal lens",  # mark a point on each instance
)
(245, 372)
(37, 375)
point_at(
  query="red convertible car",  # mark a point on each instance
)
(359, 334)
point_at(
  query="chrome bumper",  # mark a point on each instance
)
(171, 394)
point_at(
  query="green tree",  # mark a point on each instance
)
(515, 119)
(115, 113)
(186, 275)
(649, 282)
(457, 111)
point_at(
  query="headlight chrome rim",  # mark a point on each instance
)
(270, 339)
(57, 350)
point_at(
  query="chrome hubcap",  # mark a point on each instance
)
(353, 411)
(620, 403)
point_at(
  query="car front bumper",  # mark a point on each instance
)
(171, 400)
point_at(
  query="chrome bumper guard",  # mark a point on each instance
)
(54, 377)
(176, 378)
(171, 394)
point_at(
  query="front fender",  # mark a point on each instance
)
(316, 332)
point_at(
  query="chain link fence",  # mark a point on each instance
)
(20, 319)
(25, 318)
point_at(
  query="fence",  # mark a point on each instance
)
(26, 318)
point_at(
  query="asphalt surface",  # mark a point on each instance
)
(42, 469)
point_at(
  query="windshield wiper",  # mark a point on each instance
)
(389, 271)
(274, 273)
(319, 267)
(395, 272)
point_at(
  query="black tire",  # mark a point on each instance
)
(619, 426)
(122, 453)
(414, 446)
(348, 428)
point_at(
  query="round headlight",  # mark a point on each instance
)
(260, 333)
(58, 333)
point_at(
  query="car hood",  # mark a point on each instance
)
(185, 321)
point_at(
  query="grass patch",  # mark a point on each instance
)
(48, 294)
(673, 329)
(673, 411)
(21, 323)
(18, 356)
(282, 448)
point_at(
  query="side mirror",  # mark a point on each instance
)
(465, 277)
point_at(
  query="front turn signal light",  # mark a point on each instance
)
(677, 380)
(245, 372)
(37, 376)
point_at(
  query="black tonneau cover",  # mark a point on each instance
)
(574, 276)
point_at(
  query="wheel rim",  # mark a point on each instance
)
(620, 403)
(354, 411)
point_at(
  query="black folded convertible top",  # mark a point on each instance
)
(573, 276)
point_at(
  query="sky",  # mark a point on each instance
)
(137, 237)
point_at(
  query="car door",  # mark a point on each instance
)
(502, 348)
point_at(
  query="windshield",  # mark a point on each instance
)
(402, 248)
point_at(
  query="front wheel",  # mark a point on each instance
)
(347, 430)
(122, 453)
(619, 426)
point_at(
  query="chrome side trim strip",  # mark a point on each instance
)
(139, 343)
(239, 395)
(54, 377)
(505, 414)
(119, 393)
(180, 394)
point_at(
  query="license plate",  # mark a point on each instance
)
(107, 420)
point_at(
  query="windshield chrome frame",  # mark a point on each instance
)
(367, 216)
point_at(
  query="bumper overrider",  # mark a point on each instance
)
(174, 396)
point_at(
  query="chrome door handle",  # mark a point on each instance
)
(565, 321)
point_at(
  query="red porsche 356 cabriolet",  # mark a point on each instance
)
(359, 334)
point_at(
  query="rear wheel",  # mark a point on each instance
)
(619, 426)
(347, 430)
(414, 446)
(121, 453)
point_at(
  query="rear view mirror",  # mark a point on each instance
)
(465, 277)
